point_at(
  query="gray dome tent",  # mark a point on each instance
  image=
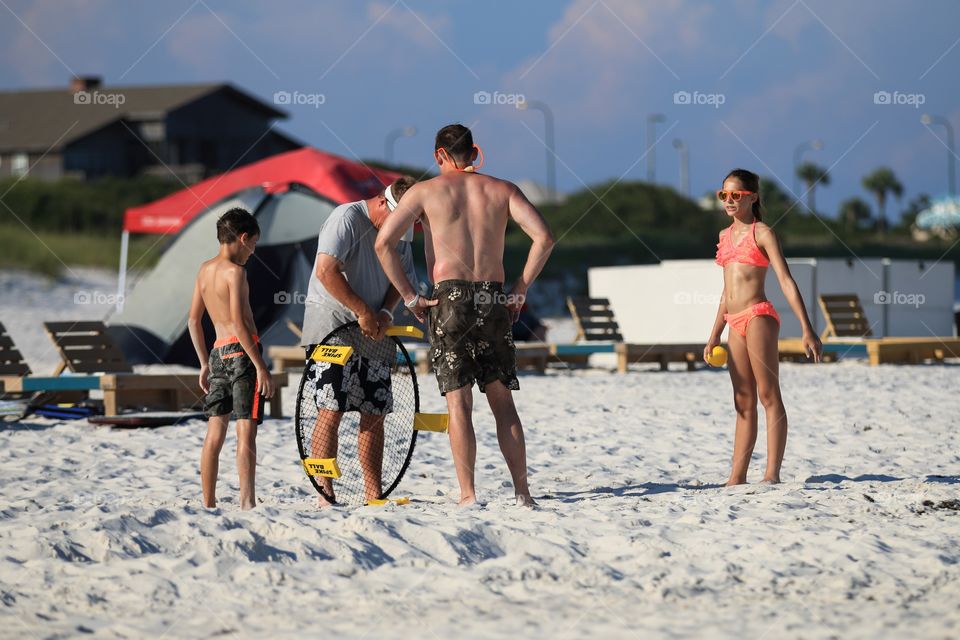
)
(152, 327)
(291, 194)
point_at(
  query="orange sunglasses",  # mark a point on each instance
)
(735, 195)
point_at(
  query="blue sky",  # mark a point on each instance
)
(788, 71)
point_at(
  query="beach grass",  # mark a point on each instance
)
(50, 252)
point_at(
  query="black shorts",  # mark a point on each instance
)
(471, 336)
(361, 384)
(233, 383)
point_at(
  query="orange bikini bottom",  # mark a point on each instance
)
(739, 321)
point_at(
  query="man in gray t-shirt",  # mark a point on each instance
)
(347, 284)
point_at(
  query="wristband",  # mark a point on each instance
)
(388, 312)
(412, 303)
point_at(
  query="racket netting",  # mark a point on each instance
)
(373, 439)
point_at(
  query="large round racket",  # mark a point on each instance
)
(358, 413)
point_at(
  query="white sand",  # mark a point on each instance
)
(102, 530)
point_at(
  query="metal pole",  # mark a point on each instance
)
(122, 273)
(951, 159)
(390, 141)
(928, 119)
(652, 121)
(549, 139)
(684, 154)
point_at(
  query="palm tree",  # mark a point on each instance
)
(776, 201)
(812, 175)
(879, 183)
(909, 216)
(853, 212)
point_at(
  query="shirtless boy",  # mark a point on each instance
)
(233, 376)
(464, 215)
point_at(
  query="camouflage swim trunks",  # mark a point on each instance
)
(471, 336)
(233, 383)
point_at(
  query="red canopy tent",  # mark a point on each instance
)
(335, 178)
(332, 177)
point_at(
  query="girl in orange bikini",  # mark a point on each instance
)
(746, 248)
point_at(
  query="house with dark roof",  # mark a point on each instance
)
(88, 131)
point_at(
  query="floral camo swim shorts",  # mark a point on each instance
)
(471, 336)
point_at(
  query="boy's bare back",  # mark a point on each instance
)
(222, 285)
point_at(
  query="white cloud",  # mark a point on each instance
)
(107, 36)
(412, 26)
(600, 52)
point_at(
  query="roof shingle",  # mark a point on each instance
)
(46, 120)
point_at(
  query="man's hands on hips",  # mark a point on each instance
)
(420, 309)
(515, 302)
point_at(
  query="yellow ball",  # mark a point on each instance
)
(718, 357)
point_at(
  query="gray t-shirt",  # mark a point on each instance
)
(348, 235)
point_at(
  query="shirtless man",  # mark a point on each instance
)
(233, 376)
(464, 216)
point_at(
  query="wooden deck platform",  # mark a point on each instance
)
(893, 350)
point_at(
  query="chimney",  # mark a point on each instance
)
(85, 83)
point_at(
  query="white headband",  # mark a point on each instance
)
(391, 201)
(391, 205)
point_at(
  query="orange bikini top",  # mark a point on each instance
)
(744, 252)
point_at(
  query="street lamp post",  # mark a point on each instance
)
(390, 142)
(652, 121)
(816, 145)
(927, 120)
(549, 140)
(684, 153)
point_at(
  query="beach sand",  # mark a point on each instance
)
(102, 531)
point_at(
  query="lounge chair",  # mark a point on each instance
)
(845, 317)
(848, 329)
(11, 360)
(85, 348)
(599, 332)
(22, 392)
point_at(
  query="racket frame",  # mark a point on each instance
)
(416, 410)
